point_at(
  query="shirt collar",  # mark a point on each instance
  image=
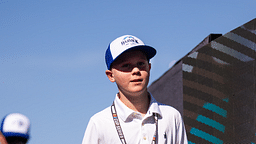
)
(123, 112)
(154, 107)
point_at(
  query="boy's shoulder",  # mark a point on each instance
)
(102, 116)
(168, 110)
(167, 107)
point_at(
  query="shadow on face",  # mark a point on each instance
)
(129, 60)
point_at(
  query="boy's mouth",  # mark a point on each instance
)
(137, 80)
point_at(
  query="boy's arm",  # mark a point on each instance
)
(91, 134)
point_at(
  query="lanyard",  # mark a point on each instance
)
(119, 129)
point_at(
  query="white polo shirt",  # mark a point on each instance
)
(136, 129)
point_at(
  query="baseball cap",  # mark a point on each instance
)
(15, 125)
(126, 43)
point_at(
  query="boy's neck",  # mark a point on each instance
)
(137, 103)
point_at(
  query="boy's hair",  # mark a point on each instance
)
(16, 140)
(126, 43)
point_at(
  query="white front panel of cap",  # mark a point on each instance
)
(16, 123)
(123, 43)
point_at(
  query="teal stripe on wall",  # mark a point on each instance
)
(216, 109)
(211, 123)
(205, 136)
(226, 99)
(189, 142)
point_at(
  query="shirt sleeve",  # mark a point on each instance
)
(181, 136)
(91, 134)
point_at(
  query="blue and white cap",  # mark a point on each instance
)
(15, 125)
(123, 44)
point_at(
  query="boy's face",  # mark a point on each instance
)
(131, 72)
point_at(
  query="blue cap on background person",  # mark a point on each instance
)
(126, 43)
(15, 125)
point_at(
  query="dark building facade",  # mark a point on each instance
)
(213, 87)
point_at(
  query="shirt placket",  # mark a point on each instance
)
(144, 134)
(147, 130)
(143, 131)
(143, 128)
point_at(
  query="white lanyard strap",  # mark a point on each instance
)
(117, 124)
(119, 129)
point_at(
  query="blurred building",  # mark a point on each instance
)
(213, 87)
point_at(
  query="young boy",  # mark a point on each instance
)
(135, 117)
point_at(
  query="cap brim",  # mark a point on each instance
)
(13, 134)
(149, 51)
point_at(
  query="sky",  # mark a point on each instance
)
(52, 53)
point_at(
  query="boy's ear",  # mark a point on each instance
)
(110, 75)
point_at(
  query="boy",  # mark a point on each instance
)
(135, 117)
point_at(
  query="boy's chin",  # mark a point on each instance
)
(138, 92)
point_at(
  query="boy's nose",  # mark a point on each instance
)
(135, 70)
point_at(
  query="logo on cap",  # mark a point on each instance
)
(129, 40)
(20, 123)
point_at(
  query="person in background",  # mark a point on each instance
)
(15, 128)
(2, 139)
